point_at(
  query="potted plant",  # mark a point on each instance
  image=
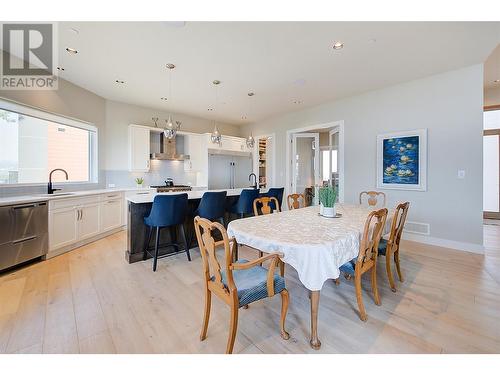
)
(327, 200)
(139, 181)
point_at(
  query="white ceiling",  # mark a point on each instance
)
(281, 62)
(492, 69)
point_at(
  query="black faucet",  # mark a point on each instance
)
(51, 190)
(250, 179)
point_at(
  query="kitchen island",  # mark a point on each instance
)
(139, 206)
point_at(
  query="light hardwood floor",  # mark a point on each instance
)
(91, 301)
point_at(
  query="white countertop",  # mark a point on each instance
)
(148, 198)
(21, 199)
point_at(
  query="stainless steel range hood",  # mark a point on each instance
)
(169, 149)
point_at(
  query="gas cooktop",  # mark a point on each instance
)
(165, 188)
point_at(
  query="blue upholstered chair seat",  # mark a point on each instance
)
(349, 267)
(252, 283)
(382, 247)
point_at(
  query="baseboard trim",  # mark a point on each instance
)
(441, 242)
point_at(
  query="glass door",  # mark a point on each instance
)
(491, 165)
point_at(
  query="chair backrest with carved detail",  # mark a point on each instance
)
(398, 223)
(205, 230)
(368, 248)
(263, 203)
(294, 201)
(372, 197)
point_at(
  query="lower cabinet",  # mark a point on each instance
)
(63, 229)
(111, 214)
(88, 221)
(73, 220)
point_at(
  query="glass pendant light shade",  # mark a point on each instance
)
(216, 137)
(171, 130)
(250, 141)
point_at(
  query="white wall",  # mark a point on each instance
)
(450, 106)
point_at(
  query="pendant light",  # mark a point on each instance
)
(216, 136)
(170, 130)
(250, 140)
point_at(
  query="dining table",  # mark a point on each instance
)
(314, 245)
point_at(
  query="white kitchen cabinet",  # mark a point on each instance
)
(111, 214)
(139, 149)
(195, 147)
(63, 227)
(233, 143)
(74, 221)
(88, 221)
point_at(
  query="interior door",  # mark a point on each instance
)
(305, 161)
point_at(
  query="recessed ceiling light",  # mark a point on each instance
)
(170, 66)
(71, 51)
(61, 68)
(210, 109)
(119, 81)
(338, 45)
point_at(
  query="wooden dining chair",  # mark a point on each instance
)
(294, 201)
(240, 283)
(367, 258)
(264, 204)
(390, 247)
(372, 197)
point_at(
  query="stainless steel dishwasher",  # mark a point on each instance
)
(23, 233)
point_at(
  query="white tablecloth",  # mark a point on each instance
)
(314, 245)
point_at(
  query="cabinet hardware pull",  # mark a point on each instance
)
(24, 239)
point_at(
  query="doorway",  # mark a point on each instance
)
(491, 164)
(315, 156)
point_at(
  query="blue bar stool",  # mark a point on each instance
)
(276, 193)
(168, 211)
(212, 206)
(244, 206)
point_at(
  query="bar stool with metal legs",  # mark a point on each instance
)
(212, 206)
(168, 211)
(244, 206)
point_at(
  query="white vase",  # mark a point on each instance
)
(139, 186)
(327, 211)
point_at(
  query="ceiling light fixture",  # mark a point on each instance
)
(338, 45)
(250, 141)
(171, 130)
(71, 51)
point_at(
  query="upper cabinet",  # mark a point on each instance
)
(195, 147)
(230, 143)
(139, 149)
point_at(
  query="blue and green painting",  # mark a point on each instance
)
(400, 160)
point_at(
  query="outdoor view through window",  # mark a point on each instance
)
(31, 147)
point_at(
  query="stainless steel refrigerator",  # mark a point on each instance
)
(229, 171)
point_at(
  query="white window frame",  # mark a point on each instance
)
(23, 109)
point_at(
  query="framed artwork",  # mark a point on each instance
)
(402, 160)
